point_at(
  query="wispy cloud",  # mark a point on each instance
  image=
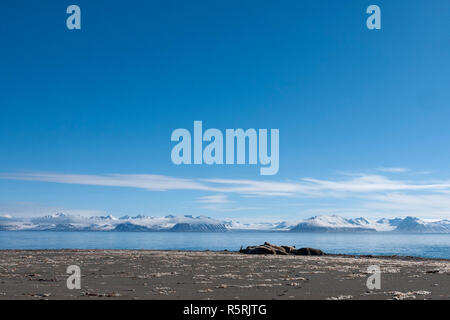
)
(394, 170)
(425, 205)
(373, 193)
(215, 198)
(257, 187)
(150, 182)
(221, 203)
(307, 186)
(222, 208)
(30, 209)
(373, 183)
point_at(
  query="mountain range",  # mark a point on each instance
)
(189, 223)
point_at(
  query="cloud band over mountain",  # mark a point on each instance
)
(377, 193)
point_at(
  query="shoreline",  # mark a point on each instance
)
(343, 255)
(217, 275)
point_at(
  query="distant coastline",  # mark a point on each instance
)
(189, 223)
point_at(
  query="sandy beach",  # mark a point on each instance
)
(145, 274)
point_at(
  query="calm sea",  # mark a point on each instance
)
(420, 245)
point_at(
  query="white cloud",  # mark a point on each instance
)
(373, 183)
(144, 181)
(422, 205)
(221, 208)
(30, 209)
(372, 193)
(305, 187)
(394, 170)
(215, 198)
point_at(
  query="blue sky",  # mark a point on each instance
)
(86, 115)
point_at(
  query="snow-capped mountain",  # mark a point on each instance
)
(339, 224)
(63, 222)
(259, 226)
(189, 223)
(415, 225)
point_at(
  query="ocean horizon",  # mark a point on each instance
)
(383, 244)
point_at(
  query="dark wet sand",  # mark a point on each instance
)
(137, 274)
